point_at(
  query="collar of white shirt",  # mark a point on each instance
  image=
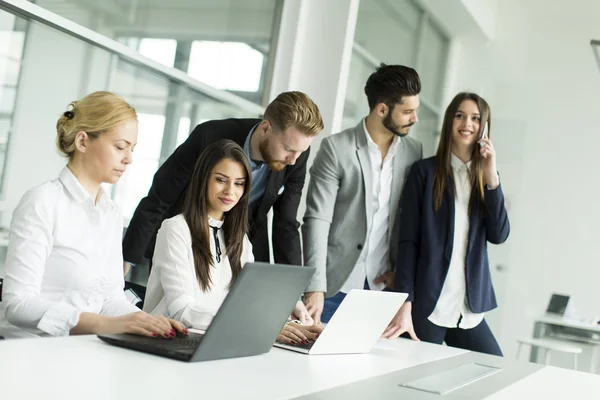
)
(215, 223)
(372, 144)
(457, 164)
(79, 193)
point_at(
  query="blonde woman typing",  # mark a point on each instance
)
(64, 266)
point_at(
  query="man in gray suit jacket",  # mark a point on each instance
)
(356, 181)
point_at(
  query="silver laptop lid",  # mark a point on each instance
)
(254, 311)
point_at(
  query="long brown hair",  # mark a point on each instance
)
(195, 212)
(443, 171)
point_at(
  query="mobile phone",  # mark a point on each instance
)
(484, 134)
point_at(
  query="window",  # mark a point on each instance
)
(159, 50)
(234, 66)
(167, 112)
(135, 183)
(207, 39)
(398, 32)
(12, 39)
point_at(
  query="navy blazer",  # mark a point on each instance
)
(427, 237)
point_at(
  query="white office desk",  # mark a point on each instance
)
(571, 323)
(552, 383)
(85, 367)
(568, 329)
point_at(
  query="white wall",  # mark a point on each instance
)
(484, 13)
(554, 248)
(540, 77)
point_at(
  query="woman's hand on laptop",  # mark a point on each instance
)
(402, 322)
(144, 324)
(301, 314)
(295, 333)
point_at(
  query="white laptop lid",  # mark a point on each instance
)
(359, 322)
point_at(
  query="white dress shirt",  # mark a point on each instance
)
(374, 259)
(173, 289)
(452, 302)
(64, 258)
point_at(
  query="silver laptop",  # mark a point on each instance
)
(247, 324)
(356, 326)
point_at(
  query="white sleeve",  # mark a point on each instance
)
(178, 276)
(247, 255)
(29, 247)
(117, 304)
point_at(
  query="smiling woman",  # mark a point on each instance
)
(455, 195)
(200, 252)
(215, 213)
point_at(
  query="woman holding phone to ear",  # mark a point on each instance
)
(452, 206)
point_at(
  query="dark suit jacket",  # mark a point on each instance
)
(426, 240)
(165, 198)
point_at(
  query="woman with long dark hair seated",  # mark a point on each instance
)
(200, 252)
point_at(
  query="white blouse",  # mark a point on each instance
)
(64, 258)
(452, 303)
(173, 289)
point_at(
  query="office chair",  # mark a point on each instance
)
(550, 345)
(139, 290)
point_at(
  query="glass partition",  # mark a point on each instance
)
(47, 61)
(230, 39)
(167, 112)
(12, 40)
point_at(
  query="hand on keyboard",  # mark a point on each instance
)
(296, 333)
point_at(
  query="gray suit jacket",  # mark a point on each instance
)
(335, 223)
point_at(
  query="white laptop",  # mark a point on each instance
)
(356, 326)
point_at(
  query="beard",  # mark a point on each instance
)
(396, 129)
(271, 162)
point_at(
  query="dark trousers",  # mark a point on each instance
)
(480, 338)
(331, 305)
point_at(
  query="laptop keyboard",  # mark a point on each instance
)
(177, 343)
